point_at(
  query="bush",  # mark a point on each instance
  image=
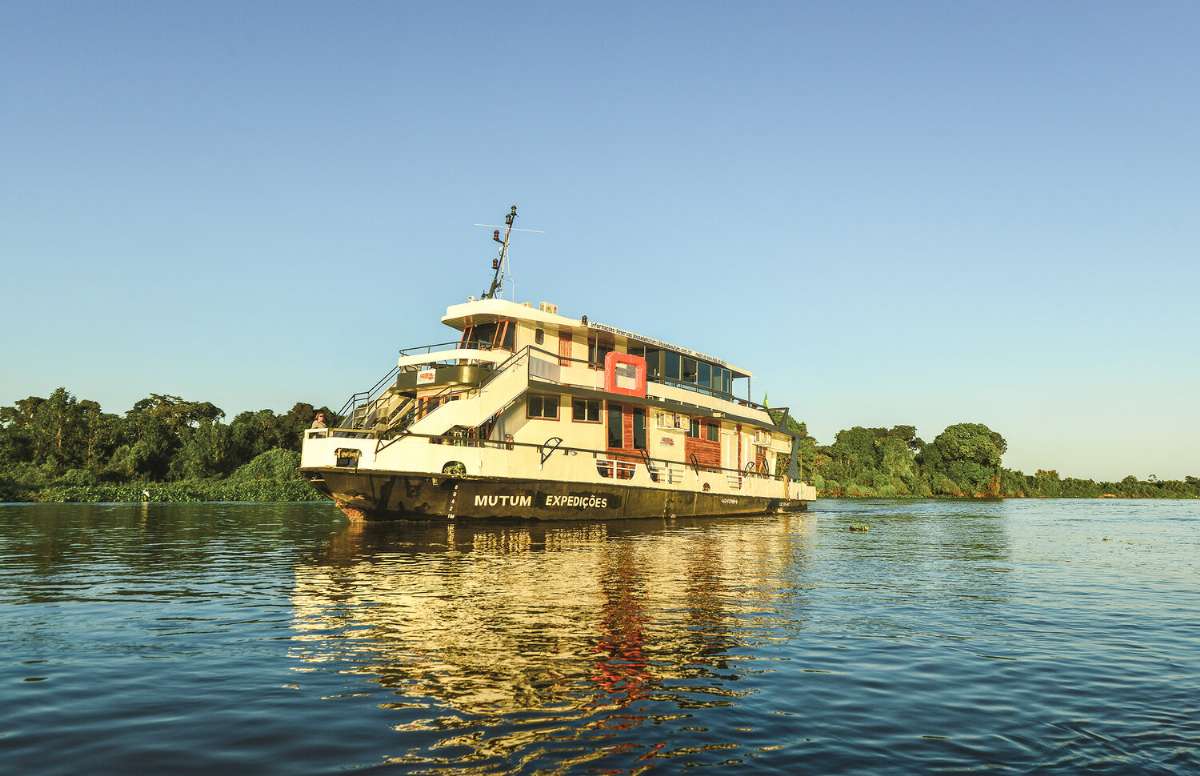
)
(276, 464)
(77, 477)
(183, 491)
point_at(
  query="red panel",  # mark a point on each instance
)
(638, 386)
(707, 452)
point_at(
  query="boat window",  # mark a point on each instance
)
(724, 383)
(713, 432)
(705, 374)
(637, 350)
(653, 363)
(671, 367)
(598, 348)
(482, 335)
(694, 428)
(616, 435)
(510, 332)
(585, 410)
(542, 407)
(689, 370)
(539, 337)
(639, 428)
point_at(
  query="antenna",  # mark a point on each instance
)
(515, 229)
(499, 268)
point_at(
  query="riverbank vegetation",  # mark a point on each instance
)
(965, 460)
(165, 448)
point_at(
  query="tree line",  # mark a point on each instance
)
(965, 460)
(63, 448)
(165, 448)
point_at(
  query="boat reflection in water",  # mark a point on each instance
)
(498, 637)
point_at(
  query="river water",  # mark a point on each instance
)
(1017, 636)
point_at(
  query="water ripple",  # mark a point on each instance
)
(1020, 636)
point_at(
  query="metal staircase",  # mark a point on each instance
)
(498, 391)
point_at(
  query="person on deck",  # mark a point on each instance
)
(319, 421)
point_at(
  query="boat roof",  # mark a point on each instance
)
(459, 316)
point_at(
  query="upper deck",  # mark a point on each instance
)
(491, 327)
(559, 357)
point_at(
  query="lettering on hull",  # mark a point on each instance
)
(579, 502)
(551, 500)
(417, 496)
(503, 501)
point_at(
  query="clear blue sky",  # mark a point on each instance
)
(893, 212)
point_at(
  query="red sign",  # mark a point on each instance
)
(625, 374)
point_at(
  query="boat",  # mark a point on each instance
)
(531, 414)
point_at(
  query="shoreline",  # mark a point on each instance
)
(318, 498)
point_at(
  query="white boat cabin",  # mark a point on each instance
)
(585, 386)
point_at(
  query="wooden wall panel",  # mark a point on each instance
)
(564, 347)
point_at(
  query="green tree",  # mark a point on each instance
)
(965, 460)
(206, 451)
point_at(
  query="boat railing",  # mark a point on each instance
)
(363, 398)
(386, 437)
(707, 391)
(450, 345)
(689, 386)
(633, 457)
(426, 405)
(504, 365)
(624, 465)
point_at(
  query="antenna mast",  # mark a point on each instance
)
(498, 263)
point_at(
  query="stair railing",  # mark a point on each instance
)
(362, 398)
(399, 429)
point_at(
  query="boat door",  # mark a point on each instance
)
(760, 459)
(729, 456)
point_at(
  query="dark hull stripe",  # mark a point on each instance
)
(390, 496)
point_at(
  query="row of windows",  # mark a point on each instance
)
(660, 363)
(701, 373)
(546, 408)
(588, 411)
(668, 364)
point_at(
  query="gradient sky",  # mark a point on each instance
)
(916, 213)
